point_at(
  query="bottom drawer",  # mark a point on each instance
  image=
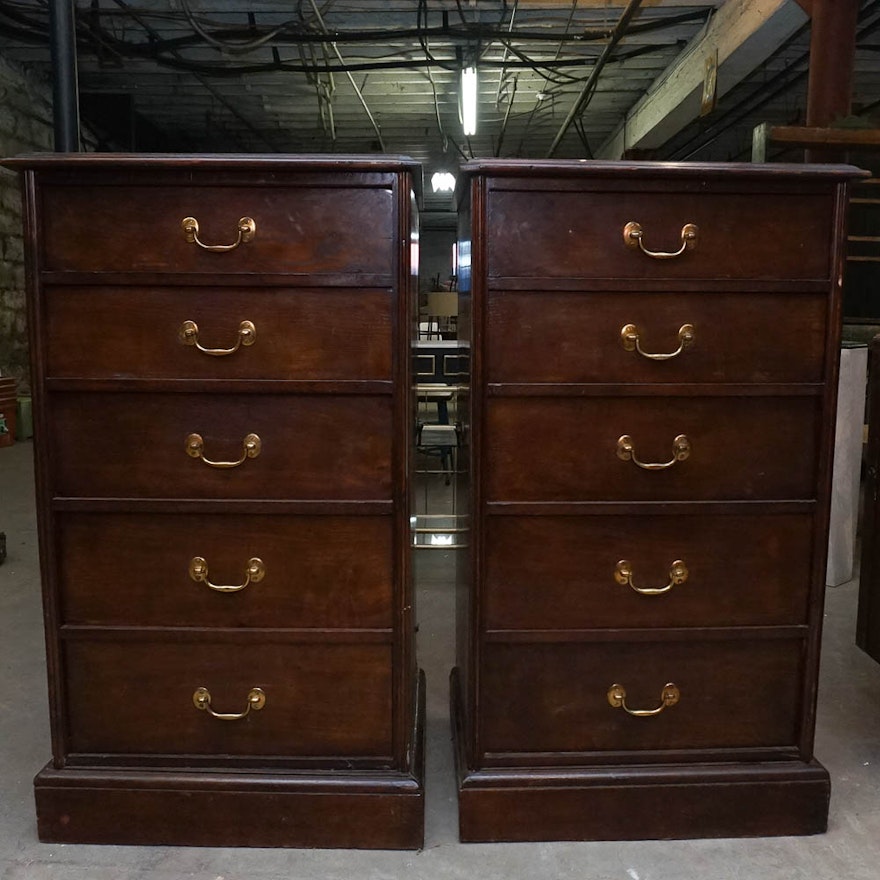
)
(553, 697)
(136, 697)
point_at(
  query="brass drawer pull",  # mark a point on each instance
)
(247, 229)
(256, 699)
(632, 236)
(629, 338)
(189, 335)
(195, 448)
(254, 572)
(681, 450)
(669, 696)
(623, 574)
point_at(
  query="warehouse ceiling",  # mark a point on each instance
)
(666, 79)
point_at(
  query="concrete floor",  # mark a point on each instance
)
(848, 743)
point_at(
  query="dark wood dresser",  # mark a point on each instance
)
(654, 361)
(223, 411)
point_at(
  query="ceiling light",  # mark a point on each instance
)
(442, 181)
(442, 540)
(469, 100)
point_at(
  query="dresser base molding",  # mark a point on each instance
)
(366, 810)
(647, 802)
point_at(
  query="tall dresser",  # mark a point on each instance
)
(654, 362)
(222, 413)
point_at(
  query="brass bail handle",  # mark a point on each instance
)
(189, 335)
(247, 229)
(633, 233)
(669, 696)
(623, 574)
(681, 450)
(629, 339)
(254, 572)
(195, 448)
(256, 699)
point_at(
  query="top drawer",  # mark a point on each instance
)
(580, 234)
(299, 230)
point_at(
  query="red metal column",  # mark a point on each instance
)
(832, 49)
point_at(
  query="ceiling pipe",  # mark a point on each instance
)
(65, 90)
(586, 92)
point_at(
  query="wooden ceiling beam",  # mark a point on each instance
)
(743, 33)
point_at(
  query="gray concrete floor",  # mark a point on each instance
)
(848, 743)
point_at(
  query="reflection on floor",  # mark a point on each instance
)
(848, 743)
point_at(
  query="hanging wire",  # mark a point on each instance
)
(354, 85)
(502, 76)
(539, 99)
(166, 51)
(100, 31)
(589, 89)
(225, 45)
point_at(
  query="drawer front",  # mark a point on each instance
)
(547, 235)
(320, 571)
(135, 445)
(323, 334)
(579, 337)
(316, 230)
(137, 698)
(564, 572)
(554, 697)
(564, 449)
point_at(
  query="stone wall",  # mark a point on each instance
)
(25, 127)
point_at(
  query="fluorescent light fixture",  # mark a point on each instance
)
(442, 181)
(469, 100)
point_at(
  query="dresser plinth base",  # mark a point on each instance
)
(202, 809)
(638, 802)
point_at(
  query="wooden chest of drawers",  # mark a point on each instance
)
(222, 438)
(654, 358)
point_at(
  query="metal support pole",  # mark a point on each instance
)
(65, 91)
